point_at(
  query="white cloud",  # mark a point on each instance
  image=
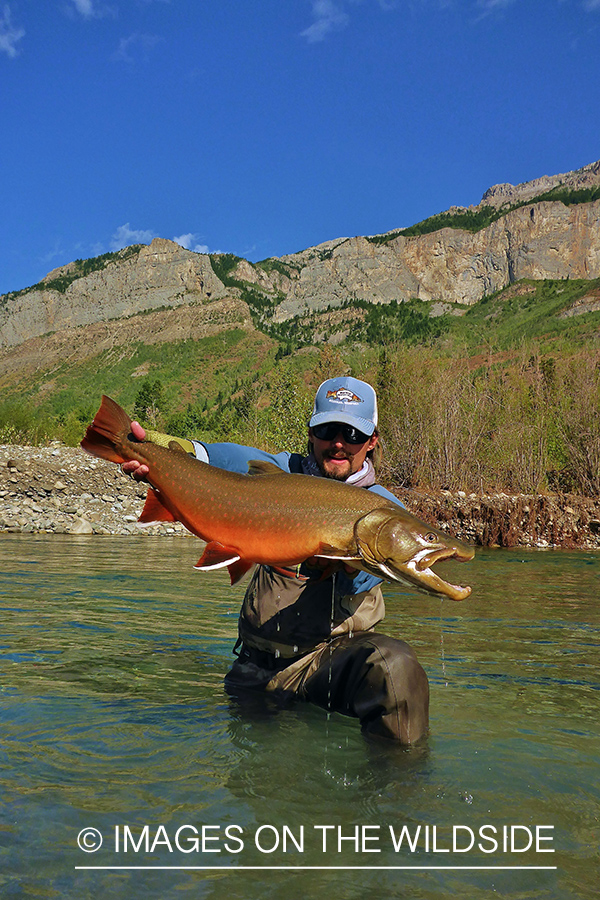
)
(9, 35)
(490, 5)
(85, 8)
(331, 15)
(51, 255)
(125, 235)
(190, 242)
(134, 45)
(92, 9)
(334, 15)
(328, 16)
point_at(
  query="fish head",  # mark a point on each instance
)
(399, 547)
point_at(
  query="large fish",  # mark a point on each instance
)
(275, 518)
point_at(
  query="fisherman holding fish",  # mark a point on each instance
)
(307, 629)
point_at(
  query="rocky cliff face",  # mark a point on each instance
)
(503, 194)
(544, 239)
(161, 274)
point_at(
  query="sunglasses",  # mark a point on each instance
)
(330, 430)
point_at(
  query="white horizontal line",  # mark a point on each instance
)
(327, 868)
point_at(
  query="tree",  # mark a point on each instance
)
(148, 402)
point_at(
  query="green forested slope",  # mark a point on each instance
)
(505, 395)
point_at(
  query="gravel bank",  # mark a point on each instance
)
(62, 490)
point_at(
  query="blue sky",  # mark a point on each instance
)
(262, 127)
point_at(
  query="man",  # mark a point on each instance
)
(311, 636)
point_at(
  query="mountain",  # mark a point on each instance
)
(544, 229)
(479, 327)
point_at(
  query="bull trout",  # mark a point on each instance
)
(274, 518)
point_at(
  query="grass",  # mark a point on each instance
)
(529, 311)
(198, 371)
(190, 372)
(505, 319)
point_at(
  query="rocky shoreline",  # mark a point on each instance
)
(62, 490)
(521, 520)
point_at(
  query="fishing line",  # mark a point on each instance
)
(332, 625)
(332, 619)
(443, 657)
(278, 626)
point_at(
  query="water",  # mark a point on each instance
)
(113, 717)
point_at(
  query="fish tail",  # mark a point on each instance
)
(107, 433)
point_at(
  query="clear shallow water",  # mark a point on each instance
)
(113, 714)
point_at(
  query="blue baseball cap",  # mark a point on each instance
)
(346, 400)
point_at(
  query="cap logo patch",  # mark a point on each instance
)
(343, 395)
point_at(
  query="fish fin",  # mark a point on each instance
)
(238, 569)
(263, 467)
(328, 551)
(340, 557)
(154, 510)
(111, 424)
(388, 573)
(216, 556)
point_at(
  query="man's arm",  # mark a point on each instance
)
(383, 492)
(232, 457)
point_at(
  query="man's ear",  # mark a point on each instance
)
(372, 441)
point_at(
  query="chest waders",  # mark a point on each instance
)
(299, 638)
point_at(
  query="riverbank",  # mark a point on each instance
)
(62, 490)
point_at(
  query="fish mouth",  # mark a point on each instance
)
(429, 581)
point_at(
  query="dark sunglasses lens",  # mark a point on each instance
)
(330, 430)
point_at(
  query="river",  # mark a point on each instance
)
(115, 727)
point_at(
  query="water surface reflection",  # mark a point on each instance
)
(112, 655)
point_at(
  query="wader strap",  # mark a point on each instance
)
(250, 640)
(288, 572)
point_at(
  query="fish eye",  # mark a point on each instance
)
(430, 537)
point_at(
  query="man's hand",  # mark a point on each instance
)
(137, 470)
(137, 431)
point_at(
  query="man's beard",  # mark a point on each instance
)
(336, 475)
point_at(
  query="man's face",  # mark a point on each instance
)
(338, 459)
